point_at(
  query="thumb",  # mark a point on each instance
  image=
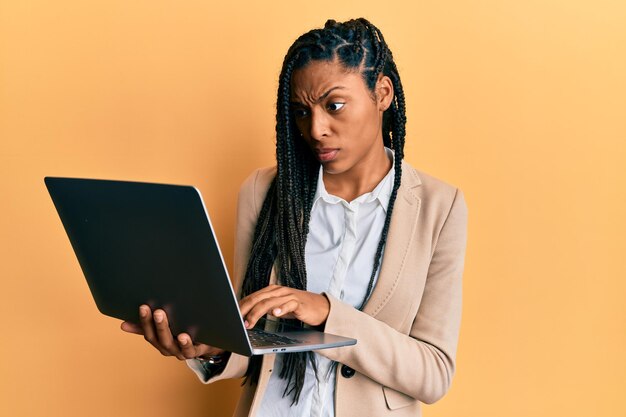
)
(131, 327)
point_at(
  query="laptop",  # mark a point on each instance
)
(146, 243)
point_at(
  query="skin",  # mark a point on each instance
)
(341, 121)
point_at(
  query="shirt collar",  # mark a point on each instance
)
(382, 191)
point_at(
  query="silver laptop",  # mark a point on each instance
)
(144, 243)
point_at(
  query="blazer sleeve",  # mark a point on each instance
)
(422, 363)
(248, 208)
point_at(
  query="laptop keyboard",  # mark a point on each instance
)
(261, 338)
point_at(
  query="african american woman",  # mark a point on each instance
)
(344, 235)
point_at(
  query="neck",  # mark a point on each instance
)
(361, 178)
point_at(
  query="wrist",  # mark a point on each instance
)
(214, 359)
(213, 364)
(325, 312)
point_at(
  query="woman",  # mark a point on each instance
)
(311, 235)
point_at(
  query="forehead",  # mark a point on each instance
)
(317, 77)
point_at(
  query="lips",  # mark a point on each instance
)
(326, 154)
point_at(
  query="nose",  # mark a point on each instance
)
(319, 125)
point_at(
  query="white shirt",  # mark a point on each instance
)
(339, 254)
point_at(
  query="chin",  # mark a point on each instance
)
(334, 167)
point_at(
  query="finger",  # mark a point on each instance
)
(164, 334)
(246, 304)
(129, 327)
(186, 346)
(288, 309)
(269, 291)
(149, 332)
(191, 350)
(263, 307)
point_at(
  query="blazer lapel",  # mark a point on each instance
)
(401, 231)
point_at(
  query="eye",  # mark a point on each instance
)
(335, 106)
(300, 112)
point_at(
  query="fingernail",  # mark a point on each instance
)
(142, 311)
(245, 323)
(183, 341)
(158, 317)
(277, 311)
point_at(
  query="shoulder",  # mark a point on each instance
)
(255, 186)
(437, 197)
(427, 185)
(260, 177)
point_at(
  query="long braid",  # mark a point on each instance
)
(298, 213)
(396, 140)
(283, 224)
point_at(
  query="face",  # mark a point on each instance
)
(338, 116)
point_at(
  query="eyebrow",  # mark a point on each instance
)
(322, 97)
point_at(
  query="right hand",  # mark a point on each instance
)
(155, 328)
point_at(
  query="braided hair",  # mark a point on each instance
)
(283, 223)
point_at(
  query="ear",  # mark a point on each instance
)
(384, 92)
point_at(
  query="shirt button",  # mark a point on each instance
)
(347, 372)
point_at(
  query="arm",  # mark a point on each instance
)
(422, 363)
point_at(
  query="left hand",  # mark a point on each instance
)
(285, 302)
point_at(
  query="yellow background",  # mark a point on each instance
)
(521, 104)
